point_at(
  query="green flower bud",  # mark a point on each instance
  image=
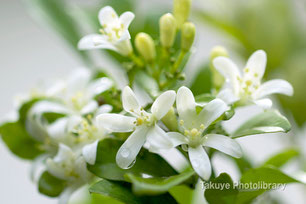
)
(181, 9)
(188, 34)
(145, 46)
(167, 27)
(217, 78)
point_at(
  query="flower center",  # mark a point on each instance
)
(194, 135)
(144, 119)
(249, 84)
(113, 32)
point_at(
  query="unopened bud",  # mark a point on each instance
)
(145, 46)
(217, 78)
(167, 27)
(181, 10)
(188, 34)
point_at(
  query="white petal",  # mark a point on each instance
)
(48, 107)
(66, 194)
(106, 108)
(227, 96)
(177, 138)
(89, 107)
(116, 122)
(129, 101)
(107, 15)
(264, 103)
(95, 41)
(131, 147)
(157, 139)
(99, 86)
(272, 87)
(78, 80)
(58, 129)
(143, 97)
(257, 63)
(200, 161)
(224, 144)
(126, 18)
(162, 104)
(90, 152)
(229, 70)
(186, 105)
(212, 111)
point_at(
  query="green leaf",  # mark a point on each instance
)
(281, 158)
(19, 141)
(182, 194)
(52, 117)
(267, 122)
(204, 98)
(157, 185)
(202, 82)
(24, 109)
(122, 192)
(224, 192)
(262, 175)
(146, 163)
(50, 185)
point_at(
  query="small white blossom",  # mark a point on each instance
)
(68, 165)
(143, 125)
(114, 33)
(193, 124)
(247, 88)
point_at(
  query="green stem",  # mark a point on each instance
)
(178, 62)
(138, 62)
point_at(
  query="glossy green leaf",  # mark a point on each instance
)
(224, 191)
(270, 121)
(50, 185)
(182, 194)
(202, 82)
(157, 185)
(281, 158)
(146, 163)
(122, 192)
(266, 175)
(19, 141)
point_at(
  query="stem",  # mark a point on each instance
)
(178, 62)
(136, 60)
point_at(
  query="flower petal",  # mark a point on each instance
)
(264, 103)
(131, 147)
(78, 80)
(157, 139)
(107, 15)
(257, 63)
(211, 112)
(95, 41)
(229, 70)
(116, 122)
(224, 144)
(90, 107)
(186, 105)
(130, 102)
(106, 108)
(227, 96)
(200, 161)
(162, 104)
(177, 138)
(272, 87)
(99, 86)
(126, 18)
(89, 152)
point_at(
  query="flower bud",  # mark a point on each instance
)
(217, 78)
(145, 46)
(181, 9)
(167, 27)
(188, 34)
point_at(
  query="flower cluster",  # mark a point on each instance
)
(68, 121)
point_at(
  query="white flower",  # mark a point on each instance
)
(143, 124)
(68, 165)
(114, 33)
(193, 124)
(247, 88)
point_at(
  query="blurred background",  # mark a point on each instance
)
(38, 42)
